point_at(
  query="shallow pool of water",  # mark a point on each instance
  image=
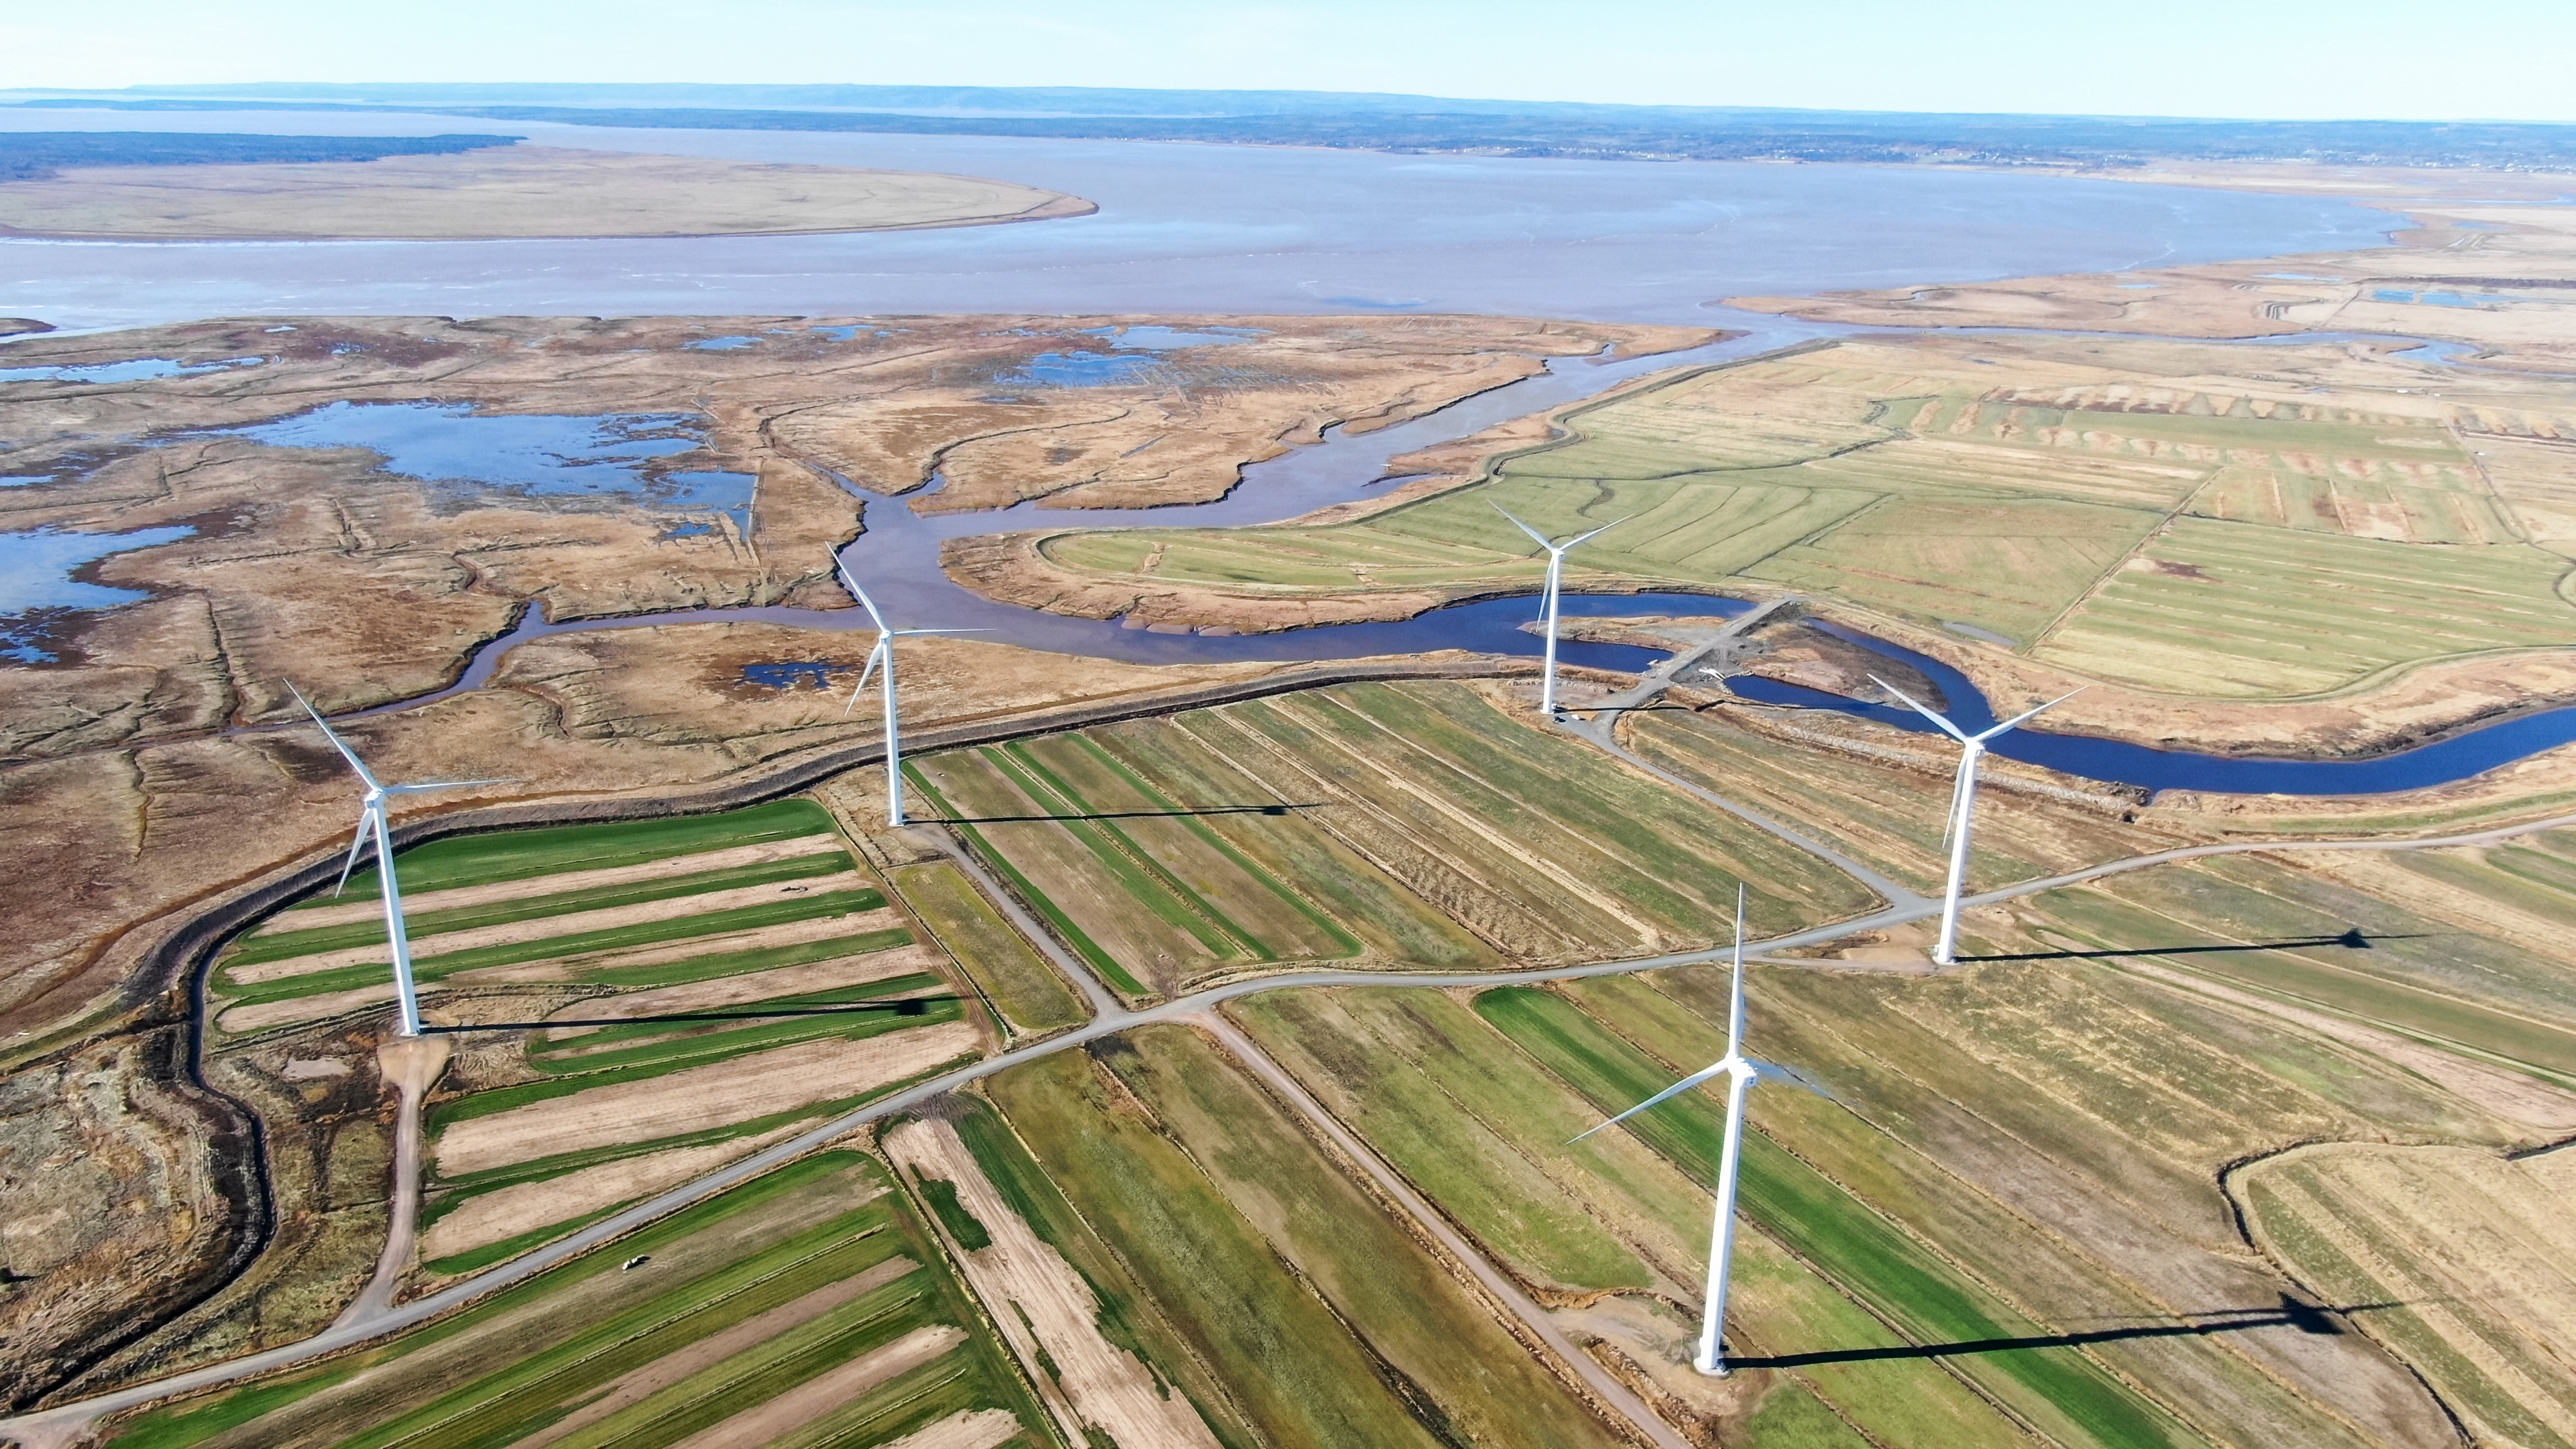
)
(140, 369)
(36, 567)
(540, 455)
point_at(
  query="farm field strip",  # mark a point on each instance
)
(841, 883)
(475, 860)
(2005, 1219)
(1360, 908)
(1020, 984)
(1276, 1195)
(669, 1103)
(2061, 1389)
(2457, 1257)
(1041, 1305)
(1146, 877)
(325, 911)
(751, 1298)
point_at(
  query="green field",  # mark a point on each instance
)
(753, 1298)
(2185, 540)
(1021, 984)
(756, 930)
(1329, 1324)
(2423, 978)
(471, 860)
(1343, 824)
(1903, 1282)
(2231, 608)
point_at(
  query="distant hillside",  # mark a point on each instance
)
(1424, 123)
(36, 155)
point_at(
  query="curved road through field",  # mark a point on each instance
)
(63, 1426)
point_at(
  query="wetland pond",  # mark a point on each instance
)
(465, 452)
(37, 583)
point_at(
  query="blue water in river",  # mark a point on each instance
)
(2128, 764)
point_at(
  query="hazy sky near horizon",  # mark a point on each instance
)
(2484, 59)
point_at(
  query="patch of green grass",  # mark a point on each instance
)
(1869, 1255)
(941, 1194)
(470, 860)
(283, 945)
(1792, 1417)
(1022, 985)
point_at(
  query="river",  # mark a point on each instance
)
(1247, 230)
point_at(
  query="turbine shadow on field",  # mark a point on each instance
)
(1115, 815)
(904, 1006)
(2304, 1317)
(2354, 940)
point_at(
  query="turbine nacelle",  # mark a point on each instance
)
(1555, 578)
(1963, 803)
(372, 813)
(882, 654)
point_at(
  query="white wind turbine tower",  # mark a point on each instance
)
(1963, 805)
(1555, 575)
(882, 656)
(371, 826)
(1741, 1073)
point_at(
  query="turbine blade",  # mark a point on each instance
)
(328, 733)
(1735, 998)
(2027, 714)
(444, 785)
(874, 655)
(1799, 1077)
(860, 594)
(1666, 1095)
(356, 847)
(1596, 533)
(1919, 708)
(1958, 792)
(1535, 536)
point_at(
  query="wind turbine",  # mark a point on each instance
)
(1741, 1073)
(1963, 805)
(1555, 575)
(883, 654)
(371, 825)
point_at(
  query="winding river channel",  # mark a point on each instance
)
(1244, 231)
(897, 559)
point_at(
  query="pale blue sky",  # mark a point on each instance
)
(2492, 59)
